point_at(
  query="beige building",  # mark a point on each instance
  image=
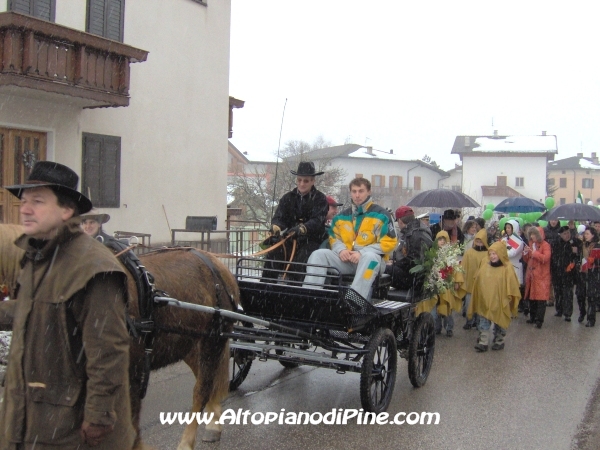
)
(571, 176)
(131, 94)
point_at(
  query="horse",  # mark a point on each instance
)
(180, 334)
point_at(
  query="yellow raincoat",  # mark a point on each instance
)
(496, 292)
(472, 260)
(449, 300)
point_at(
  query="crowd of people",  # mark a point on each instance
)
(504, 272)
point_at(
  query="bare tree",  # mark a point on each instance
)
(257, 188)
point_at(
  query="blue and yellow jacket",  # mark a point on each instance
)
(364, 228)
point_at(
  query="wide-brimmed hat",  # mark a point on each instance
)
(306, 169)
(449, 214)
(333, 202)
(56, 176)
(96, 215)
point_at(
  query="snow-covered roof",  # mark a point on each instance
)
(375, 154)
(521, 144)
(585, 164)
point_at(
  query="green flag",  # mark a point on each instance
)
(579, 198)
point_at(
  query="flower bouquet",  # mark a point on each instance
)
(439, 267)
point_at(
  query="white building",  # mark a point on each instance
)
(496, 167)
(149, 139)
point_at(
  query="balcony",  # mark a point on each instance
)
(44, 60)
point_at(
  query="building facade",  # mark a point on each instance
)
(132, 95)
(570, 176)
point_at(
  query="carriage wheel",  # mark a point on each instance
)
(378, 373)
(240, 362)
(420, 350)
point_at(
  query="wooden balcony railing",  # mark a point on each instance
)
(48, 57)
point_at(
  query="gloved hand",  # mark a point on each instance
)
(275, 230)
(298, 230)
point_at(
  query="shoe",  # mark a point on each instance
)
(538, 324)
(549, 303)
(481, 348)
(590, 323)
(581, 318)
(558, 314)
(526, 312)
(467, 326)
(498, 346)
(529, 321)
(438, 332)
(449, 333)
(567, 319)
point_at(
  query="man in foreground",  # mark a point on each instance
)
(360, 237)
(67, 382)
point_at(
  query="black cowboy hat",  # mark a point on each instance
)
(57, 177)
(306, 169)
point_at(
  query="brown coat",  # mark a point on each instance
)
(69, 355)
(537, 278)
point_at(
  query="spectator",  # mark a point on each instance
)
(91, 224)
(565, 253)
(588, 289)
(448, 224)
(469, 232)
(537, 279)
(415, 239)
(471, 262)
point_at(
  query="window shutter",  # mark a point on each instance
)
(114, 20)
(96, 17)
(21, 6)
(101, 172)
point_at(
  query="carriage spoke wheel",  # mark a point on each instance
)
(378, 372)
(420, 350)
(240, 362)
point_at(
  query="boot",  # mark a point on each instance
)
(482, 341)
(498, 342)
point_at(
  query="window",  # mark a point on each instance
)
(42, 9)
(500, 181)
(551, 181)
(563, 201)
(563, 182)
(101, 171)
(417, 184)
(378, 180)
(587, 183)
(105, 18)
(519, 182)
(395, 182)
(563, 172)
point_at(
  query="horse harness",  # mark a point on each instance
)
(145, 326)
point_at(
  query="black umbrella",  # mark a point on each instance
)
(443, 198)
(572, 211)
(519, 205)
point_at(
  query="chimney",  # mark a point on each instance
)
(580, 155)
(594, 158)
(543, 133)
(467, 141)
(391, 151)
(370, 150)
(495, 132)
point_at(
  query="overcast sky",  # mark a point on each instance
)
(411, 76)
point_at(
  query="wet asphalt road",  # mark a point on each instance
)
(538, 393)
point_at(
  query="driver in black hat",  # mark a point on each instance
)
(67, 380)
(300, 213)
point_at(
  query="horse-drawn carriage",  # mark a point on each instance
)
(332, 327)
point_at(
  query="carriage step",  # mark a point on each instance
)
(390, 305)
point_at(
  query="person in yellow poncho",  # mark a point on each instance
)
(470, 264)
(495, 297)
(441, 307)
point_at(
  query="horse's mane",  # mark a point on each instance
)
(10, 255)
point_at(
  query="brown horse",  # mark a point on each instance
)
(184, 276)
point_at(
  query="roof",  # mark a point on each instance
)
(545, 144)
(574, 163)
(499, 191)
(359, 151)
